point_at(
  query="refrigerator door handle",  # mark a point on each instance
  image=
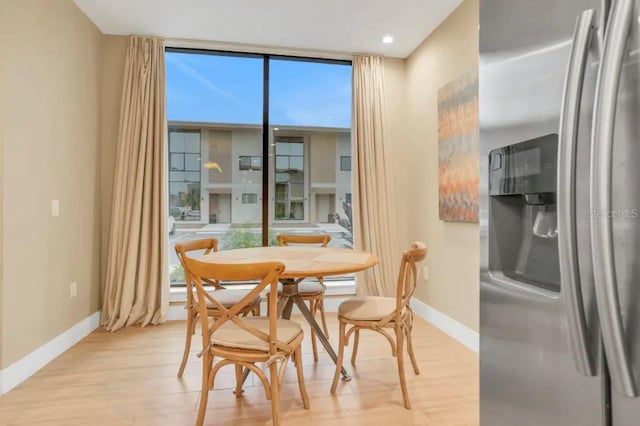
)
(567, 152)
(604, 271)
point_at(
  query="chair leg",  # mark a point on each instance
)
(256, 310)
(204, 394)
(275, 394)
(269, 309)
(336, 376)
(191, 327)
(356, 340)
(412, 356)
(313, 308)
(297, 355)
(400, 358)
(239, 375)
(324, 319)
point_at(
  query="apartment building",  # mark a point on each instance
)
(215, 174)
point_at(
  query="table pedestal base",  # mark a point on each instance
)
(287, 305)
(290, 296)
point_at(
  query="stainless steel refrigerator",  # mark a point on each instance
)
(560, 204)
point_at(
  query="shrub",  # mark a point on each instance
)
(245, 237)
(177, 275)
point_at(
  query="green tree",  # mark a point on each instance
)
(192, 199)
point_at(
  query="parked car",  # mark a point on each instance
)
(171, 224)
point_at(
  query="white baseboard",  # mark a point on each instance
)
(176, 312)
(331, 303)
(22, 369)
(453, 328)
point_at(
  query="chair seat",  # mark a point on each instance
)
(306, 288)
(233, 336)
(367, 307)
(228, 297)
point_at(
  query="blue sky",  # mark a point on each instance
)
(212, 88)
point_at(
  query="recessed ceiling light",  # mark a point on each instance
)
(387, 39)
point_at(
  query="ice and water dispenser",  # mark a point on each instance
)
(522, 212)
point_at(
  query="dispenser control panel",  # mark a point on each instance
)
(528, 167)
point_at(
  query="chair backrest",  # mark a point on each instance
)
(408, 276)
(268, 273)
(286, 239)
(206, 245)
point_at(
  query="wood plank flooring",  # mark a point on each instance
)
(129, 378)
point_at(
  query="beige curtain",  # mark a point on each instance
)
(136, 284)
(372, 211)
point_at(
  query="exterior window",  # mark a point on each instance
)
(345, 163)
(184, 175)
(290, 190)
(219, 156)
(249, 198)
(250, 162)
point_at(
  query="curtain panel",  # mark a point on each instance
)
(136, 283)
(372, 210)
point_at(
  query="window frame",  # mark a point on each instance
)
(248, 196)
(266, 124)
(184, 170)
(251, 167)
(343, 159)
(264, 197)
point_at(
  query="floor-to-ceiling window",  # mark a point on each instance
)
(226, 112)
(310, 115)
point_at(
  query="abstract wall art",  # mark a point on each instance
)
(458, 138)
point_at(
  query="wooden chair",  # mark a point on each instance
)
(380, 313)
(244, 341)
(311, 291)
(227, 297)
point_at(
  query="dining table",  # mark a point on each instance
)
(301, 262)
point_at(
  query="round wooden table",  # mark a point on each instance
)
(301, 262)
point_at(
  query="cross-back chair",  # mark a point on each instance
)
(228, 297)
(382, 313)
(312, 292)
(245, 341)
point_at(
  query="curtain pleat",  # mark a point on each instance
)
(136, 283)
(372, 210)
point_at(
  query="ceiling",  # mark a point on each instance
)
(350, 26)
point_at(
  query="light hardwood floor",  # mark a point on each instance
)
(129, 378)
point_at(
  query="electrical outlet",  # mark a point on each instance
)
(55, 208)
(425, 273)
(73, 289)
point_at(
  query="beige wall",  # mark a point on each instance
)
(322, 156)
(50, 110)
(219, 145)
(453, 260)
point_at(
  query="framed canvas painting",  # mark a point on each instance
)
(458, 137)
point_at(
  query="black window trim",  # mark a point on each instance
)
(266, 60)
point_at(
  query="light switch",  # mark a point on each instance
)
(55, 208)
(425, 273)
